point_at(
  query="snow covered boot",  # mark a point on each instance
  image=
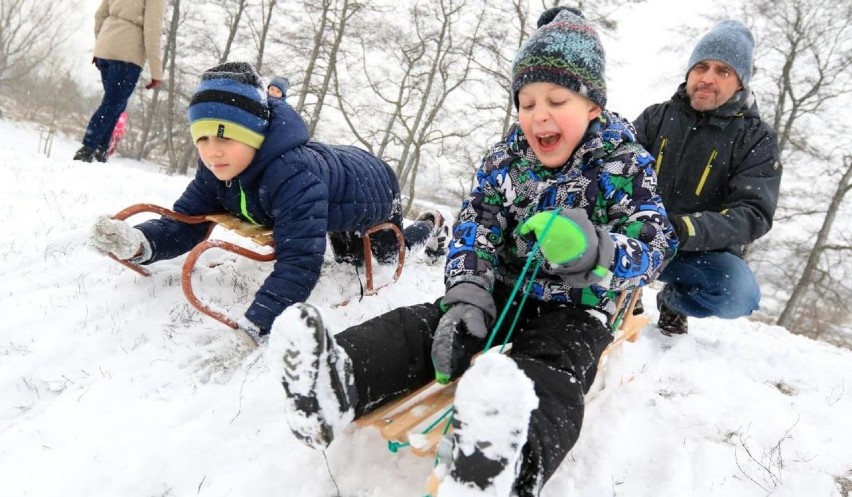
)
(316, 375)
(670, 322)
(436, 244)
(493, 403)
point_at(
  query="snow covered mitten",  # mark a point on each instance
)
(316, 375)
(493, 402)
(117, 237)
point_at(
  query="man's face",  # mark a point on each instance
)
(710, 84)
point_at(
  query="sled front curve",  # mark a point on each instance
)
(258, 234)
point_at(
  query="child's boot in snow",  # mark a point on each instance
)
(316, 375)
(493, 403)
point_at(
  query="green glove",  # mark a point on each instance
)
(568, 236)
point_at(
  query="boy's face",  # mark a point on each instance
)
(554, 120)
(274, 92)
(224, 157)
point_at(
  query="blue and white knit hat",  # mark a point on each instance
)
(730, 42)
(230, 102)
(565, 50)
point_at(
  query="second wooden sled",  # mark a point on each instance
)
(417, 420)
(257, 234)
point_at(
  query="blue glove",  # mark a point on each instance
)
(471, 311)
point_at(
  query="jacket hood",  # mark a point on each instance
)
(287, 130)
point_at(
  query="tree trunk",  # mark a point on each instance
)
(315, 50)
(168, 53)
(812, 263)
(232, 33)
(264, 32)
(170, 58)
(332, 60)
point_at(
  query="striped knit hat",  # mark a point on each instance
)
(230, 102)
(565, 50)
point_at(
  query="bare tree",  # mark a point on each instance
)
(150, 110)
(821, 245)
(318, 39)
(811, 42)
(30, 33)
(805, 58)
(347, 10)
(234, 24)
(261, 35)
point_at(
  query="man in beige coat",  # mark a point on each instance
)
(127, 33)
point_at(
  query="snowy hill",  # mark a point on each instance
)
(111, 384)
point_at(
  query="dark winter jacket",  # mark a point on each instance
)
(609, 176)
(301, 189)
(718, 171)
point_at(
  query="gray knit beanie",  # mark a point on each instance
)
(730, 42)
(566, 51)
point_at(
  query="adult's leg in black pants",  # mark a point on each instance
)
(119, 80)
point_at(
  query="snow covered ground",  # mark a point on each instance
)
(112, 384)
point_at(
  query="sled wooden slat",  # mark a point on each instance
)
(257, 234)
(414, 413)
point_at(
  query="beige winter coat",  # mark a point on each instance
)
(129, 31)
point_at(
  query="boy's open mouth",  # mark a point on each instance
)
(549, 140)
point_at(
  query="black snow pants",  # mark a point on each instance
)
(557, 347)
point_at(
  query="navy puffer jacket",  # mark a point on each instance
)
(302, 189)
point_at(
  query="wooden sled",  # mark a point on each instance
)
(259, 235)
(419, 420)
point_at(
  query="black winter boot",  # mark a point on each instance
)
(436, 245)
(100, 155)
(85, 154)
(670, 322)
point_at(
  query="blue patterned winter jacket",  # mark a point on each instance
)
(301, 189)
(610, 176)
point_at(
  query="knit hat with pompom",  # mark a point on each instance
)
(230, 102)
(565, 50)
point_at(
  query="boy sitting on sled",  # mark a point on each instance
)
(569, 177)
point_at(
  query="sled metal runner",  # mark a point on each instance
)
(416, 420)
(257, 234)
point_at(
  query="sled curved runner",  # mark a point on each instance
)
(259, 235)
(417, 420)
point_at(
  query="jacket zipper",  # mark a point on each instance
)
(660, 155)
(706, 173)
(244, 205)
